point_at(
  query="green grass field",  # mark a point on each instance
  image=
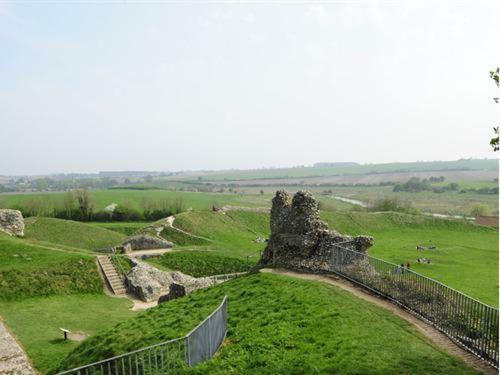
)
(466, 257)
(282, 325)
(36, 322)
(133, 198)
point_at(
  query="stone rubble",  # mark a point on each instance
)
(149, 283)
(145, 241)
(12, 222)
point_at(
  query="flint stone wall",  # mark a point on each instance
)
(299, 239)
(149, 283)
(146, 242)
(12, 222)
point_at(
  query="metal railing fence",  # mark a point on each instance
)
(170, 357)
(468, 322)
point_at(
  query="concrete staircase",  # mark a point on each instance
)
(113, 278)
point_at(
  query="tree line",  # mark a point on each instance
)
(79, 205)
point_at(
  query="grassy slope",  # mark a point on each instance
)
(231, 234)
(16, 253)
(282, 325)
(200, 263)
(36, 322)
(70, 233)
(466, 257)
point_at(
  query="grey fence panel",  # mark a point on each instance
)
(205, 340)
(169, 357)
(470, 323)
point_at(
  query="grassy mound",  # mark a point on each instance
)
(70, 233)
(230, 234)
(180, 238)
(282, 325)
(28, 270)
(201, 263)
(68, 277)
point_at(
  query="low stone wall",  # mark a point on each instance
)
(146, 242)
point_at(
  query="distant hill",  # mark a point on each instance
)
(340, 170)
(334, 164)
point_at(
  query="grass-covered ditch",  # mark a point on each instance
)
(282, 325)
(201, 263)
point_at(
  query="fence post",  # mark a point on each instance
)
(186, 350)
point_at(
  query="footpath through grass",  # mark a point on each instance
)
(282, 325)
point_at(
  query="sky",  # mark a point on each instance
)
(168, 86)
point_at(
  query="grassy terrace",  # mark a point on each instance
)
(282, 325)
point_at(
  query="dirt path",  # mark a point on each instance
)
(440, 339)
(13, 360)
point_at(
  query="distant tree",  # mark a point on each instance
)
(68, 203)
(148, 178)
(85, 203)
(479, 210)
(494, 142)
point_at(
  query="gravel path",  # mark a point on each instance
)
(438, 338)
(13, 360)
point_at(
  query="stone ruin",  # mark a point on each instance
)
(299, 239)
(149, 283)
(12, 222)
(146, 242)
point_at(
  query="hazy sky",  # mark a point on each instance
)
(169, 86)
